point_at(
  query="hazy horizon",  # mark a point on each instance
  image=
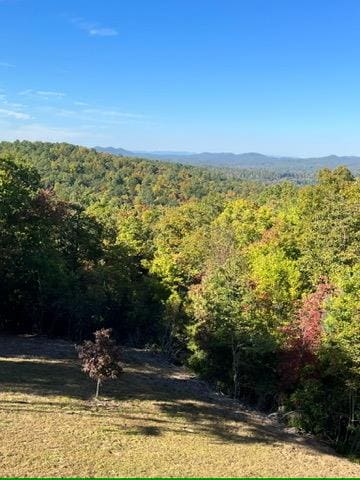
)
(188, 152)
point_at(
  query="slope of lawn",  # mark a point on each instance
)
(157, 420)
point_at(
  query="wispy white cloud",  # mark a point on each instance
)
(94, 114)
(81, 104)
(25, 92)
(65, 113)
(112, 113)
(49, 133)
(103, 32)
(13, 104)
(14, 114)
(7, 65)
(4, 101)
(44, 94)
(47, 93)
(94, 29)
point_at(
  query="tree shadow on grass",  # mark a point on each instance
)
(64, 378)
(150, 430)
(34, 346)
(187, 406)
(61, 378)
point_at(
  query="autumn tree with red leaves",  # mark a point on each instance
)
(303, 336)
(101, 359)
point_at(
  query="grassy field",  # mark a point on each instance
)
(155, 421)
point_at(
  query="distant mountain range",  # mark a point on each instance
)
(251, 160)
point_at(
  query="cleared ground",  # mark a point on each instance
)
(155, 421)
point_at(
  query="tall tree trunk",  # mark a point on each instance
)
(97, 388)
(235, 367)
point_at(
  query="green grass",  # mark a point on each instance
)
(154, 421)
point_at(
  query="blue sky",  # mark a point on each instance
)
(275, 76)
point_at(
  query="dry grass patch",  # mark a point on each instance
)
(154, 421)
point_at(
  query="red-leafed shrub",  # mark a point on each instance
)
(303, 336)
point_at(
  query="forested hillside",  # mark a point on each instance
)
(256, 287)
(252, 165)
(84, 175)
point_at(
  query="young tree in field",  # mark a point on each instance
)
(101, 359)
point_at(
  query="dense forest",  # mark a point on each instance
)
(86, 176)
(256, 287)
